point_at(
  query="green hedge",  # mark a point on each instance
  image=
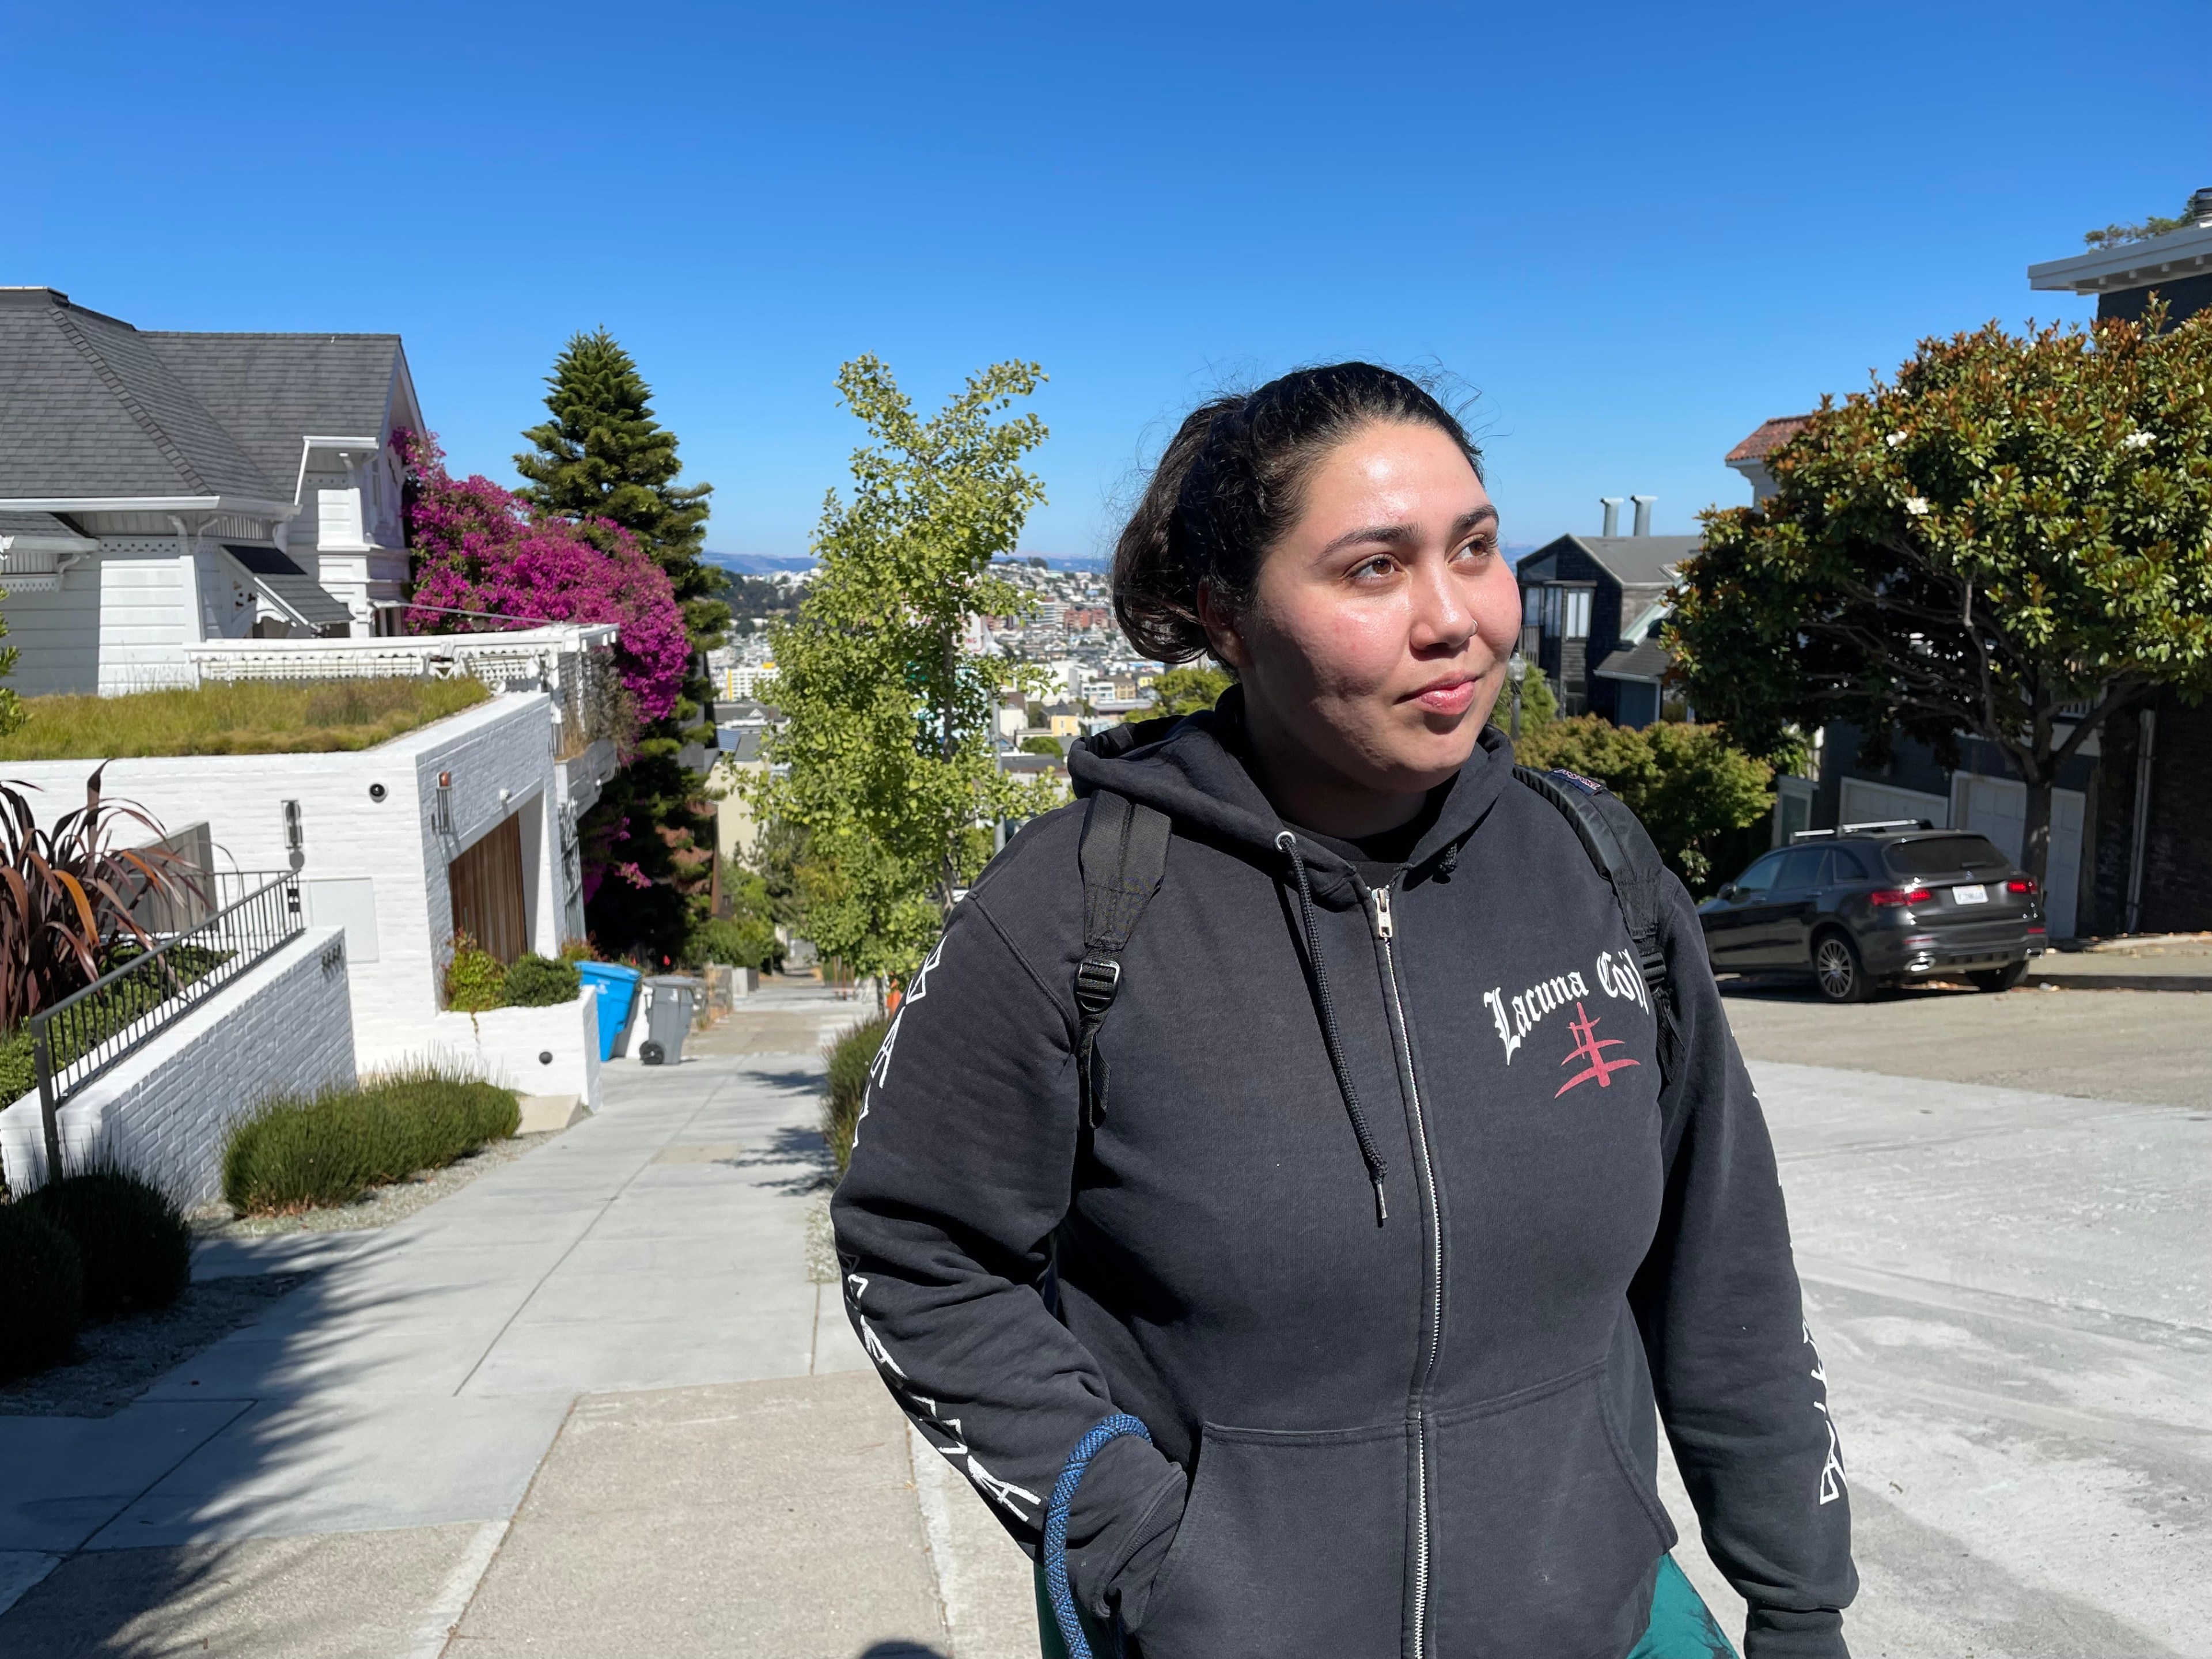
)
(534, 981)
(849, 1056)
(41, 1291)
(133, 1242)
(116, 1006)
(298, 1153)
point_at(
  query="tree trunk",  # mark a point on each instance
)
(2035, 834)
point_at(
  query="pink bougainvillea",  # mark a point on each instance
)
(478, 547)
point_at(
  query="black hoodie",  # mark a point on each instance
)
(1425, 1437)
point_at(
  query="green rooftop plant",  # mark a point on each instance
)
(535, 982)
(476, 979)
(132, 1240)
(850, 1058)
(297, 1153)
(235, 717)
(41, 1291)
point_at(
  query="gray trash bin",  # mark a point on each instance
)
(670, 1000)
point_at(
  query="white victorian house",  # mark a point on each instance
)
(159, 490)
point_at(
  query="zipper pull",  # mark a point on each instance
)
(1383, 930)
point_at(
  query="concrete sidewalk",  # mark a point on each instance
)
(335, 1478)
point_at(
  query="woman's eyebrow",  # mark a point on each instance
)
(1401, 534)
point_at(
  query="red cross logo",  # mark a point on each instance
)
(1590, 1047)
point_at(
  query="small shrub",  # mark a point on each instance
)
(534, 981)
(134, 1242)
(476, 979)
(849, 1056)
(19, 1067)
(748, 944)
(297, 1153)
(41, 1291)
(578, 949)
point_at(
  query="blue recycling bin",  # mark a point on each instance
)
(617, 989)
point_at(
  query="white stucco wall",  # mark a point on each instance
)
(378, 867)
(165, 1112)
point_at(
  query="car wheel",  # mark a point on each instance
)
(1838, 972)
(2000, 979)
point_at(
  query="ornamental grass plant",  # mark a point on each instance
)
(236, 717)
(850, 1058)
(298, 1153)
(41, 1291)
(132, 1240)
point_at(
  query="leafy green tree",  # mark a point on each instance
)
(1043, 746)
(1687, 783)
(1189, 689)
(891, 773)
(2011, 541)
(2154, 224)
(1540, 706)
(602, 455)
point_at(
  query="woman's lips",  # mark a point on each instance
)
(1447, 697)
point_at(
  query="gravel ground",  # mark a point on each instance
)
(118, 1361)
(380, 1207)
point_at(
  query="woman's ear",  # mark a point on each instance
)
(1221, 628)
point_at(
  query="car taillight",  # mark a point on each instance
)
(2021, 885)
(1889, 896)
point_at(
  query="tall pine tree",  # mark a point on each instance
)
(604, 455)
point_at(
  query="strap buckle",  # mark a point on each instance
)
(1095, 982)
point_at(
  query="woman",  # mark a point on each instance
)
(1383, 1216)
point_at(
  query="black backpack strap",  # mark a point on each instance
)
(1123, 854)
(1621, 848)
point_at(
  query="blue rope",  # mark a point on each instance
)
(1055, 1526)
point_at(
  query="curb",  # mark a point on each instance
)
(2066, 981)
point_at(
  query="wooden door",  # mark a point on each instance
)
(486, 883)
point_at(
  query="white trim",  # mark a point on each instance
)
(250, 505)
(2182, 252)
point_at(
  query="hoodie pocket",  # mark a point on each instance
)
(1542, 1534)
(1290, 1544)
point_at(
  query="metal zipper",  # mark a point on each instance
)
(1385, 932)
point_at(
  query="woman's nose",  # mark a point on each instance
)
(1442, 615)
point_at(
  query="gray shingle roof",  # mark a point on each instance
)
(87, 408)
(1647, 660)
(92, 407)
(1640, 559)
(33, 523)
(291, 589)
(272, 390)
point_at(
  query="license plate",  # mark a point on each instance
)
(1976, 894)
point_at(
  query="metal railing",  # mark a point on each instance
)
(222, 925)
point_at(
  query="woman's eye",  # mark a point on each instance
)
(1373, 569)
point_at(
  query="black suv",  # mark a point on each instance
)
(1878, 903)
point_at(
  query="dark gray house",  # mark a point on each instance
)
(2148, 864)
(1590, 608)
(159, 489)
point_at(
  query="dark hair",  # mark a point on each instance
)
(1229, 485)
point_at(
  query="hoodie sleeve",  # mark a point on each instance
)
(961, 1169)
(1740, 1387)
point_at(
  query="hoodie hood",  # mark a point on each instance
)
(1193, 769)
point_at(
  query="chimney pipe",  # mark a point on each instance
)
(1612, 515)
(1642, 513)
(2200, 206)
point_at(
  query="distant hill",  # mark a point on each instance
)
(1059, 561)
(760, 564)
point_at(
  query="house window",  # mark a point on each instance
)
(1532, 608)
(1578, 613)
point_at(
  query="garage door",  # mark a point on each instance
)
(1998, 808)
(1877, 803)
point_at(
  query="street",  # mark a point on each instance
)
(603, 1401)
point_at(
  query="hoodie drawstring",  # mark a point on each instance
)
(1376, 1168)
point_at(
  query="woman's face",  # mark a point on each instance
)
(1376, 640)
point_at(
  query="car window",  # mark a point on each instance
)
(1944, 855)
(1760, 875)
(1851, 866)
(1807, 868)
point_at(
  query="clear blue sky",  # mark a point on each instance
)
(1637, 229)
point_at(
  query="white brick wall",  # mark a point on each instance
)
(165, 1112)
(500, 748)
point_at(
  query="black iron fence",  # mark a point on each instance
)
(206, 937)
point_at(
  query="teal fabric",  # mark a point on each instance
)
(1681, 1626)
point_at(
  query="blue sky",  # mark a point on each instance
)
(1635, 230)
